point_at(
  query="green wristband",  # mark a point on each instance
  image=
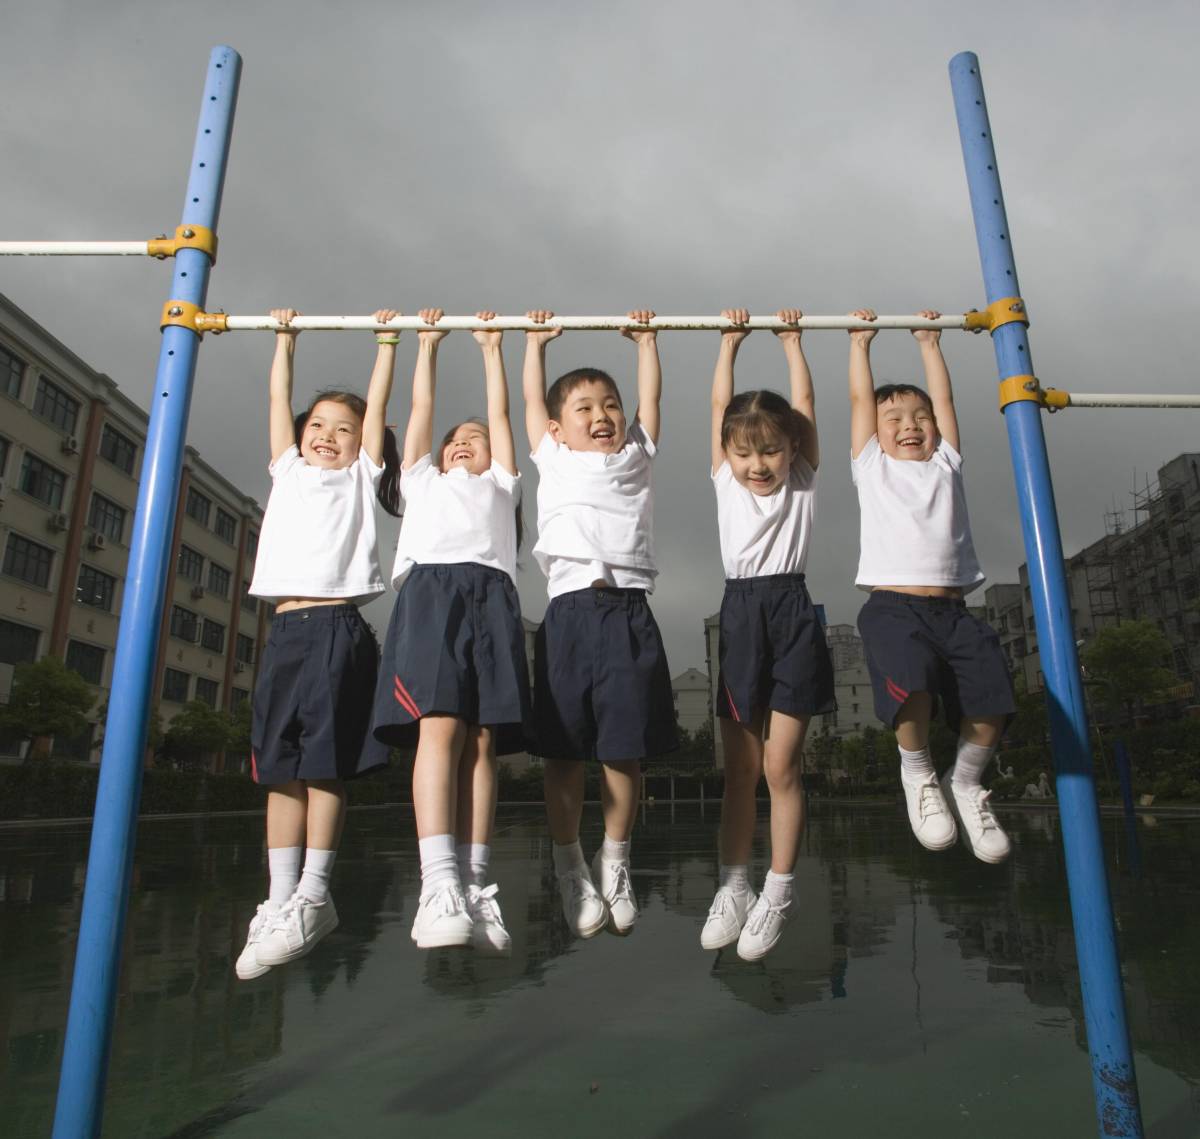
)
(387, 339)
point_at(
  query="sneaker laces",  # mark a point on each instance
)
(261, 922)
(762, 911)
(578, 886)
(622, 888)
(932, 801)
(445, 902)
(977, 798)
(482, 906)
(721, 903)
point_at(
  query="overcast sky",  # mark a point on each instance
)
(595, 158)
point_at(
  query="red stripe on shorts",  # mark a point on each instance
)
(254, 766)
(732, 705)
(894, 690)
(405, 700)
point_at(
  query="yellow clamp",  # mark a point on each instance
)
(1007, 310)
(186, 237)
(1055, 400)
(187, 315)
(1017, 388)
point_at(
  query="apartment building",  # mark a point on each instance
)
(691, 695)
(71, 453)
(851, 685)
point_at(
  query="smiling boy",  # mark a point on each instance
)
(917, 561)
(602, 688)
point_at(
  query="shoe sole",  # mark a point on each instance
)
(304, 950)
(591, 931)
(259, 970)
(990, 859)
(759, 956)
(445, 941)
(713, 945)
(617, 930)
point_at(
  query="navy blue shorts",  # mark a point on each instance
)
(602, 689)
(773, 652)
(932, 644)
(312, 702)
(455, 646)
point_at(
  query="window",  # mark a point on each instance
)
(218, 579)
(226, 526)
(4, 449)
(184, 623)
(198, 506)
(12, 368)
(107, 518)
(87, 660)
(212, 637)
(250, 604)
(95, 588)
(240, 696)
(41, 481)
(52, 403)
(244, 649)
(207, 690)
(18, 643)
(191, 564)
(28, 561)
(175, 685)
(251, 544)
(118, 449)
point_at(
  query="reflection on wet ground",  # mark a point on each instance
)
(913, 994)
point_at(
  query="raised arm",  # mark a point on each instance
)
(418, 439)
(862, 385)
(722, 387)
(649, 372)
(283, 425)
(379, 388)
(533, 377)
(800, 382)
(937, 380)
(499, 428)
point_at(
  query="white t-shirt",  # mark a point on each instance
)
(318, 534)
(596, 515)
(765, 534)
(914, 528)
(455, 516)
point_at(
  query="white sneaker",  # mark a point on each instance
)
(928, 814)
(248, 965)
(612, 880)
(488, 935)
(979, 826)
(726, 916)
(442, 918)
(583, 907)
(763, 929)
(296, 927)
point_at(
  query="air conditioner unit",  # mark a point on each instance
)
(239, 666)
(96, 541)
(57, 521)
(3, 491)
(197, 592)
(199, 634)
(70, 445)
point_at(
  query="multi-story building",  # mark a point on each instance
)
(1005, 613)
(71, 453)
(851, 685)
(690, 692)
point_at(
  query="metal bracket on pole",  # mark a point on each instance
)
(186, 237)
(193, 317)
(1019, 387)
(1007, 310)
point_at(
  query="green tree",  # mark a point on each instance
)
(195, 733)
(1128, 659)
(47, 699)
(239, 729)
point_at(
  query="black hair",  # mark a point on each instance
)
(389, 486)
(437, 462)
(885, 392)
(758, 417)
(561, 389)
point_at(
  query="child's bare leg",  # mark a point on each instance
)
(783, 765)
(743, 768)
(564, 799)
(475, 814)
(326, 813)
(620, 784)
(983, 731)
(912, 722)
(287, 823)
(583, 908)
(435, 774)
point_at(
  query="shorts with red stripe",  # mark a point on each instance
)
(934, 645)
(772, 650)
(455, 646)
(312, 700)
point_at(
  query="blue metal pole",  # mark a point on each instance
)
(80, 1106)
(1113, 1076)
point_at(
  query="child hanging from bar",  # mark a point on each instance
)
(602, 689)
(317, 563)
(775, 671)
(454, 674)
(917, 561)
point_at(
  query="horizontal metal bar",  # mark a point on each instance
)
(580, 323)
(1117, 399)
(74, 248)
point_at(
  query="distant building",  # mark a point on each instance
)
(691, 694)
(851, 686)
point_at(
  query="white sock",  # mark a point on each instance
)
(473, 858)
(614, 851)
(971, 763)
(284, 865)
(439, 867)
(314, 882)
(777, 889)
(916, 764)
(568, 857)
(735, 878)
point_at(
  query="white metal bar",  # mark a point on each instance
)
(581, 323)
(73, 248)
(1102, 399)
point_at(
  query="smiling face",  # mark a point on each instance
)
(591, 419)
(469, 447)
(332, 437)
(906, 428)
(762, 464)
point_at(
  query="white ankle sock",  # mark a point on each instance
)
(314, 882)
(970, 763)
(614, 851)
(473, 860)
(777, 889)
(916, 764)
(284, 865)
(439, 867)
(735, 878)
(568, 857)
